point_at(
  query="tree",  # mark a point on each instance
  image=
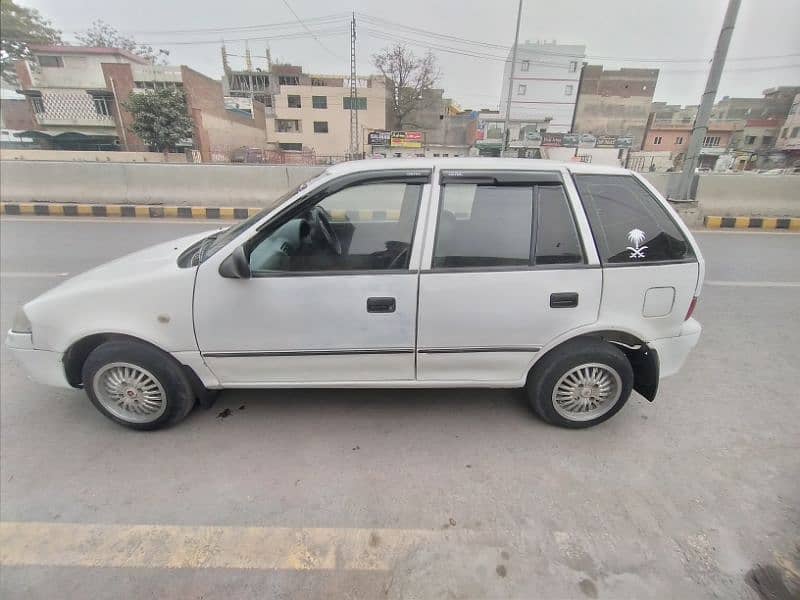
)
(408, 77)
(20, 26)
(103, 35)
(160, 118)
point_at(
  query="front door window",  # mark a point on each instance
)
(361, 228)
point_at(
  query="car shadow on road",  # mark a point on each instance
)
(383, 403)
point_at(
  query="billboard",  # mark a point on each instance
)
(378, 138)
(243, 106)
(406, 139)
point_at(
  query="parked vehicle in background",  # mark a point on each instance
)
(576, 282)
(248, 155)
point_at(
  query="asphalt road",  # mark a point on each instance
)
(412, 494)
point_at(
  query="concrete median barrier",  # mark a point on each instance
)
(25, 183)
(148, 184)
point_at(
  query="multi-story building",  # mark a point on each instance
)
(788, 142)
(77, 96)
(737, 108)
(545, 85)
(778, 101)
(666, 136)
(614, 102)
(308, 112)
(673, 113)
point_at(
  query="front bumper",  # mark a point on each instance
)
(41, 366)
(673, 351)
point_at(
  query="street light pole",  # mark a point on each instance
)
(700, 128)
(506, 133)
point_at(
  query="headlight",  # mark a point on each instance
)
(21, 323)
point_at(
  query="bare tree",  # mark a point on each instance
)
(408, 77)
(103, 35)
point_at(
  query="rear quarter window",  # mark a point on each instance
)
(629, 224)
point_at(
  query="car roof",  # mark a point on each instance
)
(472, 162)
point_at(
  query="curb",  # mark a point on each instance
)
(47, 209)
(791, 223)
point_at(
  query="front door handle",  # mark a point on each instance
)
(381, 304)
(564, 300)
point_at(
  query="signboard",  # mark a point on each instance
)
(570, 140)
(614, 141)
(552, 139)
(243, 106)
(406, 139)
(378, 138)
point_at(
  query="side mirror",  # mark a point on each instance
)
(236, 266)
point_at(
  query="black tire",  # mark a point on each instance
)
(179, 396)
(546, 373)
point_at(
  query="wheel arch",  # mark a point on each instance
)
(77, 353)
(643, 359)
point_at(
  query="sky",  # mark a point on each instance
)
(764, 52)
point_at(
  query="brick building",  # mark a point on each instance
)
(76, 96)
(615, 102)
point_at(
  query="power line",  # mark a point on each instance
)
(464, 41)
(286, 2)
(343, 17)
(380, 34)
(280, 36)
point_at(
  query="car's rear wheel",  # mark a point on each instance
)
(137, 385)
(580, 384)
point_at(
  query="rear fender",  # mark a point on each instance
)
(645, 365)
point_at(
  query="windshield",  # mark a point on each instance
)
(220, 239)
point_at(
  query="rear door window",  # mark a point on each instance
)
(557, 240)
(629, 224)
(490, 226)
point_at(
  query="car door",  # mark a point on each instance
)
(311, 316)
(505, 273)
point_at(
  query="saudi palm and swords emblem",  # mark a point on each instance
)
(636, 237)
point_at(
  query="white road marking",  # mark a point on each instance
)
(195, 547)
(766, 284)
(23, 275)
(732, 231)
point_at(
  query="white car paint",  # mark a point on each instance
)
(204, 319)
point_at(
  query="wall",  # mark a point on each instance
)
(89, 156)
(119, 78)
(599, 156)
(16, 114)
(742, 194)
(81, 72)
(217, 130)
(120, 183)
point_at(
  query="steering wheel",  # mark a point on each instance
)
(322, 224)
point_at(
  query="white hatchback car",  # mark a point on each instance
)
(573, 281)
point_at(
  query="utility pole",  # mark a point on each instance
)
(700, 128)
(354, 132)
(506, 133)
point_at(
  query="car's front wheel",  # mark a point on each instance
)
(580, 384)
(137, 385)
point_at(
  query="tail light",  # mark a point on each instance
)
(691, 309)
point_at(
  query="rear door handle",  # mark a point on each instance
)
(564, 300)
(381, 305)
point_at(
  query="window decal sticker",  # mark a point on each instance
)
(636, 237)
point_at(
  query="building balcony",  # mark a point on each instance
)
(98, 120)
